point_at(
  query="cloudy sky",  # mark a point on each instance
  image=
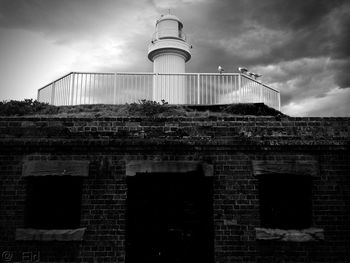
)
(302, 47)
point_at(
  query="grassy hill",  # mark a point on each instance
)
(31, 107)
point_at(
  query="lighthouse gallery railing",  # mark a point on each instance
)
(118, 88)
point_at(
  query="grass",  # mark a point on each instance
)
(144, 108)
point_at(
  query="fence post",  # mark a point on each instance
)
(114, 87)
(198, 89)
(279, 101)
(239, 87)
(53, 94)
(72, 90)
(155, 86)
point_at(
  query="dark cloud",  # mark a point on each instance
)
(340, 31)
(297, 14)
(68, 20)
(304, 22)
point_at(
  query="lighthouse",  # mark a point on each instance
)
(169, 51)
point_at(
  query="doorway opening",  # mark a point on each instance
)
(169, 218)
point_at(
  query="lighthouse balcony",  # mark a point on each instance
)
(169, 33)
(165, 45)
(78, 88)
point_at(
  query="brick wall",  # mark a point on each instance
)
(230, 144)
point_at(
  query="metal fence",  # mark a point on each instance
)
(188, 88)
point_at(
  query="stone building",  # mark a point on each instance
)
(217, 189)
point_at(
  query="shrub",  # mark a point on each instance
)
(25, 107)
(148, 108)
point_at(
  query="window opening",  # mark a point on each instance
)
(53, 202)
(285, 201)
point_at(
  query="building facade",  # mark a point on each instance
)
(174, 189)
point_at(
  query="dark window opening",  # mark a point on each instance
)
(285, 201)
(53, 202)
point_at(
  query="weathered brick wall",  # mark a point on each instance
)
(230, 144)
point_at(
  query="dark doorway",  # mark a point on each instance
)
(169, 218)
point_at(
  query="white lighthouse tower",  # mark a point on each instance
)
(169, 51)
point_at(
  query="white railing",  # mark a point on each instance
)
(187, 88)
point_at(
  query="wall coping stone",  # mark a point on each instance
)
(50, 235)
(55, 168)
(134, 167)
(304, 235)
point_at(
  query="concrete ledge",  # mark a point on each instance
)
(57, 168)
(50, 235)
(304, 235)
(134, 167)
(309, 167)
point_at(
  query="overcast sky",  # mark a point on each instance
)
(302, 47)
